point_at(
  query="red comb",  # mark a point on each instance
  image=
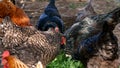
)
(5, 54)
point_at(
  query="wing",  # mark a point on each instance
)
(32, 44)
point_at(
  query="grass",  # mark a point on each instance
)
(61, 61)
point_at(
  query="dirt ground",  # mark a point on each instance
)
(69, 9)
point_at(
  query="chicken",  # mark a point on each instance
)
(11, 62)
(88, 10)
(103, 44)
(4, 9)
(31, 45)
(50, 18)
(16, 14)
(90, 26)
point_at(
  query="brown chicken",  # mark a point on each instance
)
(16, 14)
(11, 62)
(29, 44)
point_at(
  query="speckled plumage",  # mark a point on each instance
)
(90, 26)
(31, 45)
(104, 45)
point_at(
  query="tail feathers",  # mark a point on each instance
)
(89, 7)
(89, 3)
(52, 3)
(51, 9)
(88, 10)
(20, 18)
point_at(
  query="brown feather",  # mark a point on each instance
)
(4, 9)
(31, 45)
(17, 15)
(20, 18)
(13, 62)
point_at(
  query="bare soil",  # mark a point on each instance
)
(69, 9)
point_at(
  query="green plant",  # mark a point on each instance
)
(61, 61)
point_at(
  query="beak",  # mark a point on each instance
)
(63, 42)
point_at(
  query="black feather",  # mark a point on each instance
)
(91, 26)
(51, 9)
(52, 15)
(98, 44)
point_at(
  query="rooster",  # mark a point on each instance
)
(103, 44)
(50, 18)
(88, 10)
(16, 14)
(31, 45)
(90, 26)
(11, 62)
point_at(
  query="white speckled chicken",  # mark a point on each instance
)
(29, 44)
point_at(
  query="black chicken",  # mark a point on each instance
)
(88, 10)
(50, 18)
(90, 26)
(29, 44)
(103, 44)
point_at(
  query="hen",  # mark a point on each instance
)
(50, 18)
(29, 44)
(11, 62)
(88, 10)
(16, 14)
(104, 45)
(90, 26)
